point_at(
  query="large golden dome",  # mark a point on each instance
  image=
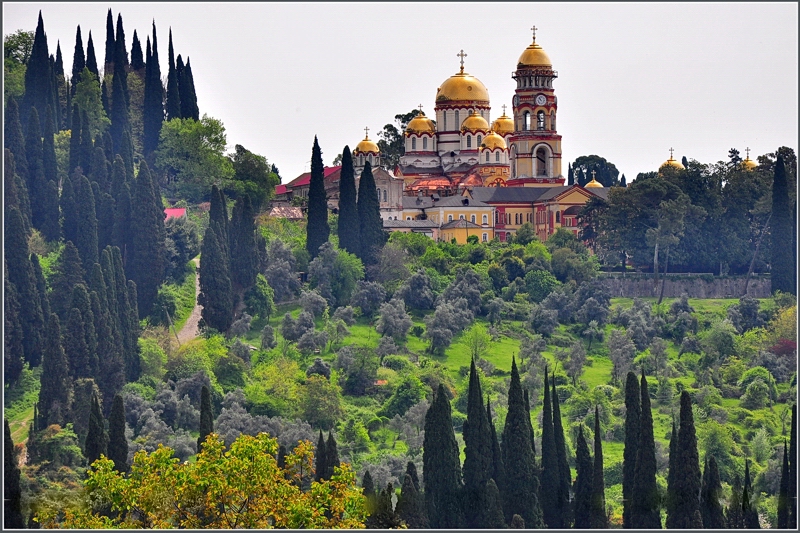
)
(534, 56)
(474, 122)
(462, 87)
(594, 184)
(671, 163)
(421, 124)
(749, 164)
(366, 145)
(492, 141)
(503, 125)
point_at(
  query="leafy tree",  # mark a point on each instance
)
(391, 143)
(334, 273)
(88, 99)
(182, 242)
(16, 53)
(583, 483)
(543, 321)
(215, 286)
(349, 227)
(369, 296)
(784, 266)
(96, 438)
(280, 271)
(599, 519)
(317, 230)
(441, 465)
(710, 507)
(321, 405)
(252, 176)
(117, 442)
(540, 283)
(239, 487)
(259, 298)
(206, 417)
(605, 171)
(369, 217)
(417, 291)
(448, 320)
(644, 510)
(394, 321)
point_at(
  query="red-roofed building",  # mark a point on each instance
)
(174, 212)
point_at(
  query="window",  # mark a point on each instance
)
(458, 123)
(497, 217)
(444, 121)
(497, 156)
(449, 218)
(413, 143)
(558, 217)
(526, 124)
(408, 218)
(540, 120)
(553, 121)
(485, 237)
(460, 217)
(479, 140)
(384, 195)
(379, 193)
(469, 141)
(487, 157)
(472, 218)
(485, 219)
(369, 158)
(424, 143)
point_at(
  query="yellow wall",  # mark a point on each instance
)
(461, 234)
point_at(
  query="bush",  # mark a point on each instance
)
(260, 298)
(397, 363)
(756, 395)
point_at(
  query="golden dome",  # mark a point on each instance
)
(475, 122)
(749, 164)
(462, 87)
(492, 141)
(671, 163)
(366, 146)
(534, 56)
(421, 124)
(503, 125)
(594, 184)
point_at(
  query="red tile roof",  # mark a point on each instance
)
(305, 178)
(174, 212)
(280, 189)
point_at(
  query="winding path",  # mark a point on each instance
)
(190, 329)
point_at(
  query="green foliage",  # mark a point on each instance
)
(87, 98)
(252, 176)
(317, 230)
(259, 298)
(408, 393)
(539, 284)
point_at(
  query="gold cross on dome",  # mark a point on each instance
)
(420, 108)
(504, 109)
(670, 153)
(533, 29)
(462, 55)
(748, 152)
(366, 132)
(593, 173)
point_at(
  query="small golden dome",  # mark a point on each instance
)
(474, 122)
(671, 163)
(462, 87)
(492, 141)
(594, 184)
(503, 125)
(749, 164)
(366, 146)
(534, 56)
(421, 124)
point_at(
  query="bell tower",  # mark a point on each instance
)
(535, 144)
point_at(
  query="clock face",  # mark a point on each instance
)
(515, 101)
(541, 100)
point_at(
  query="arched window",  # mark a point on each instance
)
(408, 218)
(384, 195)
(485, 219)
(558, 217)
(553, 121)
(458, 123)
(413, 143)
(449, 218)
(487, 157)
(485, 237)
(424, 143)
(479, 140)
(540, 120)
(472, 218)
(469, 141)
(541, 162)
(497, 156)
(379, 193)
(460, 217)
(526, 121)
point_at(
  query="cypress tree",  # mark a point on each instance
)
(61, 111)
(111, 375)
(215, 284)
(120, 116)
(599, 519)
(68, 273)
(69, 208)
(55, 394)
(783, 493)
(121, 58)
(570, 176)
(12, 502)
(22, 276)
(41, 285)
(91, 59)
(153, 111)
(14, 139)
(369, 217)
(99, 173)
(368, 489)
(348, 228)
(86, 149)
(137, 58)
(148, 240)
(331, 456)
(82, 302)
(441, 465)
(686, 478)
(74, 344)
(793, 468)
(478, 452)
(583, 483)
(317, 229)
(120, 234)
(244, 254)
(39, 78)
(644, 510)
(384, 516)
(734, 517)
(87, 224)
(16, 192)
(173, 93)
(78, 62)
(410, 506)
(206, 417)
(671, 487)
(75, 141)
(117, 443)
(784, 266)
(498, 470)
(36, 180)
(550, 474)
(565, 477)
(320, 466)
(521, 481)
(748, 511)
(110, 43)
(133, 363)
(710, 507)
(96, 443)
(530, 427)
(13, 354)
(50, 227)
(187, 93)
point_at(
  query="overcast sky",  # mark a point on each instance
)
(633, 79)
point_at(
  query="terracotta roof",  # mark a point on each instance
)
(291, 213)
(280, 189)
(174, 212)
(460, 223)
(305, 178)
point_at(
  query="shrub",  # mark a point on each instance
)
(260, 298)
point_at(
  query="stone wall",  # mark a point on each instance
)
(695, 287)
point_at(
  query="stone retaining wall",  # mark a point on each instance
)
(695, 287)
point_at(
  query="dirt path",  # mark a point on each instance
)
(190, 329)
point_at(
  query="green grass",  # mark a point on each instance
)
(18, 403)
(185, 297)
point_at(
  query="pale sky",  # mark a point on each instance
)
(634, 79)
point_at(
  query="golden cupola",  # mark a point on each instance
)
(670, 163)
(749, 164)
(593, 184)
(503, 125)
(462, 87)
(534, 57)
(421, 124)
(493, 141)
(474, 122)
(366, 146)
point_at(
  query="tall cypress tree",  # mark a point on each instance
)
(55, 394)
(153, 110)
(348, 228)
(13, 354)
(86, 149)
(111, 374)
(61, 111)
(521, 481)
(41, 285)
(121, 58)
(478, 453)
(78, 61)
(599, 519)
(317, 229)
(550, 474)
(206, 417)
(75, 141)
(748, 511)
(783, 493)
(173, 92)
(215, 284)
(583, 483)
(69, 207)
(96, 443)
(74, 343)
(320, 465)
(244, 254)
(734, 518)
(117, 443)
(36, 180)
(632, 419)
(133, 362)
(410, 506)
(87, 224)
(110, 42)
(687, 477)
(50, 228)
(368, 489)
(644, 510)
(39, 79)
(148, 240)
(564, 475)
(68, 273)
(369, 217)
(120, 116)
(187, 92)
(82, 302)
(12, 502)
(784, 266)
(14, 138)
(498, 469)
(710, 506)
(331, 456)
(441, 465)
(671, 487)
(91, 59)
(137, 58)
